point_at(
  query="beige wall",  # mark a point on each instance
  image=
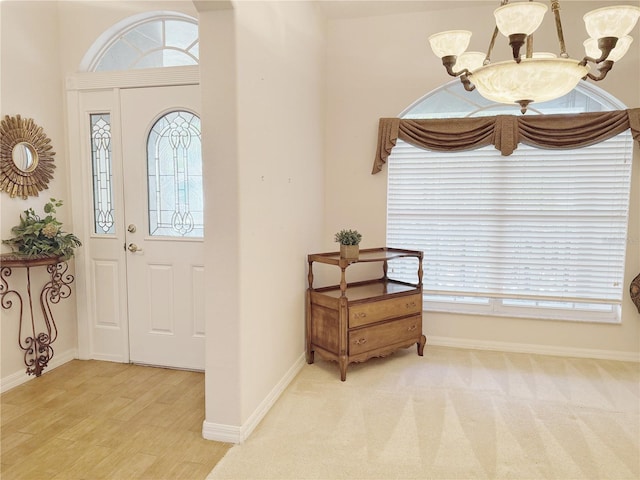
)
(31, 86)
(377, 67)
(280, 137)
(264, 94)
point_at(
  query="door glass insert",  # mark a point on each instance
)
(102, 174)
(174, 166)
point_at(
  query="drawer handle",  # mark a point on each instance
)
(361, 341)
(411, 305)
(412, 328)
(359, 315)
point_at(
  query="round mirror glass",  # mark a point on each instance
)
(24, 157)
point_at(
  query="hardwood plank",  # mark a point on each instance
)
(82, 468)
(130, 466)
(102, 420)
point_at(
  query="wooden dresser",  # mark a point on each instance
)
(353, 322)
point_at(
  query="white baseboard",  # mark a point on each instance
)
(222, 433)
(534, 349)
(238, 434)
(20, 377)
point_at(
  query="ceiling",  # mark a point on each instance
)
(339, 9)
(343, 9)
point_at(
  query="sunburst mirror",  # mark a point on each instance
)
(26, 157)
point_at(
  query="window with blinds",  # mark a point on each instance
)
(540, 233)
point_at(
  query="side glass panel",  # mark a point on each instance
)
(174, 166)
(102, 177)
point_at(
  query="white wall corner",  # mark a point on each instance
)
(18, 378)
(533, 349)
(238, 434)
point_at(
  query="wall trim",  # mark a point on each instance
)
(18, 378)
(150, 77)
(238, 434)
(559, 351)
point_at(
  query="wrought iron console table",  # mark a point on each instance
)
(36, 345)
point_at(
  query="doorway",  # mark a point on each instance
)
(141, 175)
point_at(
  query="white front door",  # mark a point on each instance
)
(161, 152)
(144, 249)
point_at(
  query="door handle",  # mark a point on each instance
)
(132, 247)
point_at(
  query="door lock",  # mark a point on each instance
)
(134, 248)
(131, 228)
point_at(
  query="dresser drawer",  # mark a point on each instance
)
(372, 312)
(371, 338)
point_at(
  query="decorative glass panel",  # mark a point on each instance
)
(102, 175)
(174, 159)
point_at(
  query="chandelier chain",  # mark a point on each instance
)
(555, 8)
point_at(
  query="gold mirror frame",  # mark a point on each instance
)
(16, 181)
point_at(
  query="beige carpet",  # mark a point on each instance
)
(454, 413)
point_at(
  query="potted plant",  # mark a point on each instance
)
(349, 241)
(36, 236)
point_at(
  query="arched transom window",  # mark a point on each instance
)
(151, 40)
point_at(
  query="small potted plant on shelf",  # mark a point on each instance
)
(349, 241)
(42, 237)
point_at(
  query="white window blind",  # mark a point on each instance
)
(540, 233)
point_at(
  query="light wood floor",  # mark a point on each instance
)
(102, 420)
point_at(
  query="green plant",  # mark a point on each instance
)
(348, 237)
(36, 236)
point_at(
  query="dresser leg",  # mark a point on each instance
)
(342, 362)
(421, 344)
(310, 356)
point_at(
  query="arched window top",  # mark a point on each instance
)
(149, 40)
(174, 160)
(453, 101)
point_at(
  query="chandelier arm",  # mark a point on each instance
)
(588, 59)
(605, 44)
(492, 44)
(555, 7)
(449, 61)
(529, 53)
(466, 83)
(529, 46)
(603, 69)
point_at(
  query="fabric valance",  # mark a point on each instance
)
(505, 132)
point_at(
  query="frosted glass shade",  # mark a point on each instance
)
(522, 17)
(537, 80)
(470, 60)
(452, 42)
(615, 21)
(592, 50)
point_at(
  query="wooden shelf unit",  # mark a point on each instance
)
(353, 322)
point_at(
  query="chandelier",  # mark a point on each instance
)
(536, 76)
